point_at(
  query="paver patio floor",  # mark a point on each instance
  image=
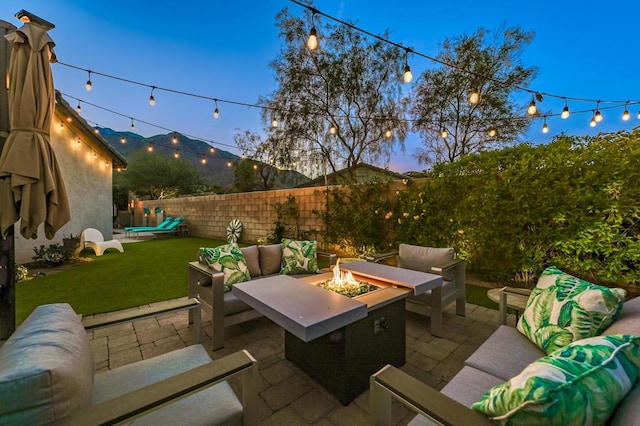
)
(287, 395)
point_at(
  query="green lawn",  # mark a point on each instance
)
(146, 272)
(149, 271)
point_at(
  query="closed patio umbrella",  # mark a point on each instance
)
(31, 186)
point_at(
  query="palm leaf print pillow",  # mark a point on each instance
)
(299, 257)
(579, 384)
(563, 309)
(229, 260)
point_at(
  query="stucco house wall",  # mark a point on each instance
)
(87, 164)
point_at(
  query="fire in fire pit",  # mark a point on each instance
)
(345, 284)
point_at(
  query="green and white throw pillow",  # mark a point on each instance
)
(579, 384)
(229, 260)
(563, 309)
(299, 257)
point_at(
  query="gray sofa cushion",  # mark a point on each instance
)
(628, 322)
(467, 387)
(505, 353)
(46, 367)
(422, 259)
(222, 406)
(251, 256)
(270, 258)
(233, 305)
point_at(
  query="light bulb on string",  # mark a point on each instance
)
(78, 141)
(212, 150)
(545, 127)
(625, 115)
(598, 114)
(444, 133)
(152, 100)
(312, 41)
(96, 131)
(474, 97)
(150, 148)
(333, 130)
(565, 110)
(216, 113)
(78, 108)
(388, 134)
(133, 126)
(407, 77)
(88, 85)
(176, 154)
(229, 164)
(174, 139)
(123, 140)
(203, 159)
(532, 108)
(274, 122)
(593, 121)
(493, 132)
(638, 115)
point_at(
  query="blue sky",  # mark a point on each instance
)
(584, 49)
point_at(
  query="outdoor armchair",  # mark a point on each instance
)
(440, 261)
(47, 375)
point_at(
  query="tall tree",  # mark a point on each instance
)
(339, 104)
(252, 145)
(158, 176)
(451, 125)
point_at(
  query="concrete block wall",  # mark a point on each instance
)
(208, 216)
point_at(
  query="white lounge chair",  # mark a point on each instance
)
(92, 238)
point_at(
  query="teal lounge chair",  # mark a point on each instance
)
(169, 228)
(164, 224)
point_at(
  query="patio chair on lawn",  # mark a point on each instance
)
(440, 261)
(164, 224)
(93, 239)
(171, 227)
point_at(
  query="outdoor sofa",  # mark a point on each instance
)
(206, 284)
(47, 375)
(504, 355)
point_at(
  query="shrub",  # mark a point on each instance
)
(54, 254)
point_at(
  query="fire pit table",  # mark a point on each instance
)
(337, 340)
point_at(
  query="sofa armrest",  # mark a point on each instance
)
(175, 388)
(391, 383)
(382, 256)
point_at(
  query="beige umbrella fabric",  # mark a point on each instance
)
(31, 186)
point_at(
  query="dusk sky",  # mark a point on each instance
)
(583, 49)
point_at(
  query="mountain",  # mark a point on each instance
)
(215, 171)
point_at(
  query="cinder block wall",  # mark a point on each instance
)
(208, 216)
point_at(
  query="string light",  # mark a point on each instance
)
(174, 139)
(176, 154)
(545, 128)
(333, 130)
(625, 115)
(598, 114)
(493, 132)
(150, 148)
(88, 85)
(152, 100)
(407, 70)
(229, 164)
(95, 154)
(444, 133)
(638, 115)
(123, 140)
(274, 122)
(212, 150)
(565, 110)
(388, 134)
(133, 126)
(78, 108)
(69, 119)
(78, 141)
(203, 160)
(216, 113)
(312, 41)
(474, 97)
(532, 109)
(593, 121)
